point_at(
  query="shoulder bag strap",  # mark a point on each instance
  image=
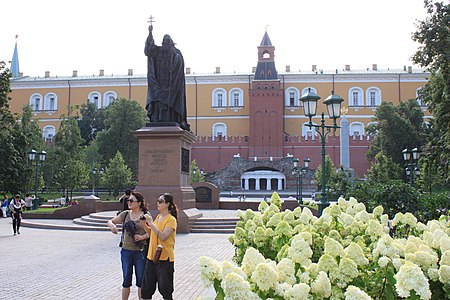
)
(123, 227)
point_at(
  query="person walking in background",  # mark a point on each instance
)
(28, 202)
(132, 242)
(162, 231)
(16, 207)
(5, 204)
(123, 199)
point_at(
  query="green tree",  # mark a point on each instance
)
(92, 121)
(16, 139)
(66, 152)
(195, 172)
(330, 173)
(122, 118)
(433, 34)
(117, 175)
(397, 128)
(384, 169)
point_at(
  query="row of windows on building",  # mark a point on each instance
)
(222, 99)
(49, 102)
(357, 97)
(219, 131)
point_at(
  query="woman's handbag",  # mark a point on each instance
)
(157, 253)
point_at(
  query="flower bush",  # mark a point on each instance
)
(347, 253)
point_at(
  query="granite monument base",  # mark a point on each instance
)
(164, 159)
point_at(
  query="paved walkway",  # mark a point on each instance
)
(65, 264)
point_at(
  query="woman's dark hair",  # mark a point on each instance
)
(168, 198)
(141, 199)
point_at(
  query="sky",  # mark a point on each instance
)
(87, 36)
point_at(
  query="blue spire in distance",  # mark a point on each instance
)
(15, 62)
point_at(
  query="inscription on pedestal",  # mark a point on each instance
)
(159, 159)
(184, 160)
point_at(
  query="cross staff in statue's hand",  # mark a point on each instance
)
(150, 20)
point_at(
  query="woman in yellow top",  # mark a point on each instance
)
(162, 232)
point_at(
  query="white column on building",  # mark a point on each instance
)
(257, 186)
(269, 183)
(246, 185)
(280, 184)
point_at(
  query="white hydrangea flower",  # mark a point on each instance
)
(210, 269)
(321, 285)
(355, 253)
(348, 270)
(444, 244)
(385, 247)
(354, 293)
(421, 226)
(251, 259)
(362, 216)
(426, 260)
(274, 220)
(235, 287)
(359, 207)
(378, 211)
(409, 219)
(352, 201)
(300, 251)
(398, 219)
(398, 263)
(445, 258)
(410, 277)
(327, 263)
(228, 267)
(281, 288)
(346, 219)
(433, 274)
(343, 204)
(333, 247)
(307, 236)
(286, 271)
(374, 229)
(335, 210)
(383, 261)
(384, 219)
(265, 276)
(444, 274)
(299, 291)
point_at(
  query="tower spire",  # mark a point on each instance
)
(15, 61)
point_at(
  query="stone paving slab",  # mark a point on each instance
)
(65, 264)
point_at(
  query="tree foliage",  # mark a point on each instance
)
(91, 122)
(384, 169)
(117, 175)
(397, 128)
(122, 118)
(433, 34)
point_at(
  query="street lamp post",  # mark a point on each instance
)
(411, 159)
(299, 172)
(38, 158)
(95, 172)
(333, 103)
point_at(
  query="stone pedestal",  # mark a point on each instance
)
(164, 159)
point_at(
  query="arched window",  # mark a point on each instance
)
(36, 102)
(266, 54)
(109, 98)
(236, 98)
(219, 131)
(357, 130)
(308, 133)
(48, 133)
(373, 97)
(291, 97)
(355, 97)
(96, 98)
(51, 102)
(419, 99)
(219, 99)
